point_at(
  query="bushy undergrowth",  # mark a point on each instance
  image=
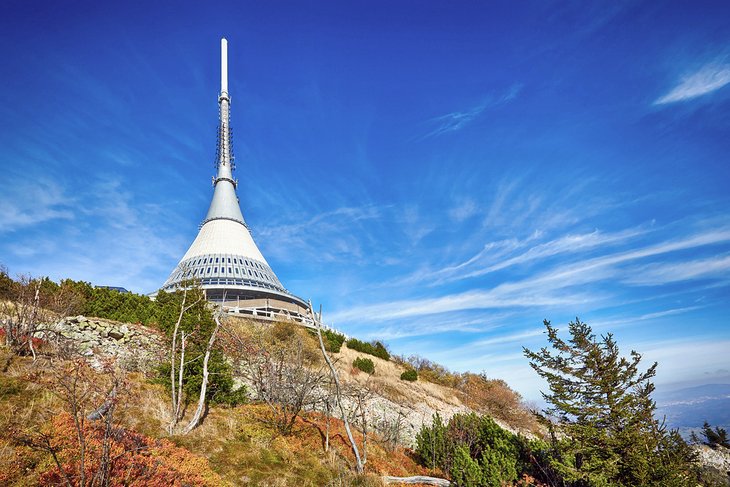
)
(79, 297)
(474, 451)
(410, 375)
(220, 388)
(376, 349)
(235, 447)
(133, 456)
(114, 305)
(332, 340)
(364, 364)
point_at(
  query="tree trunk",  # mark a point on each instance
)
(419, 479)
(337, 390)
(204, 386)
(173, 350)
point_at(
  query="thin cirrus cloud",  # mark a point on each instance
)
(550, 287)
(707, 79)
(27, 204)
(662, 273)
(454, 121)
(572, 243)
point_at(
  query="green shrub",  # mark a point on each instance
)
(465, 471)
(231, 397)
(472, 450)
(10, 386)
(115, 305)
(332, 340)
(220, 388)
(364, 364)
(410, 375)
(376, 349)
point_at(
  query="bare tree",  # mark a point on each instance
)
(177, 352)
(360, 396)
(81, 390)
(23, 315)
(283, 373)
(338, 389)
(390, 428)
(30, 307)
(204, 385)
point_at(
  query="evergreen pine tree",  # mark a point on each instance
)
(602, 404)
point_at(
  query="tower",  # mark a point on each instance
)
(224, 258)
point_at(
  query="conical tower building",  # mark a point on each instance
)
(224, 258)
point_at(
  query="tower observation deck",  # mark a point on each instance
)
(224, 259)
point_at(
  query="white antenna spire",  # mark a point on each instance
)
(224, 65)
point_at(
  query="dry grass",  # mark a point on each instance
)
(237, 444)
(387, 382)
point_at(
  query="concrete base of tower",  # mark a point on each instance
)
(230, 294)
(269, 310)
(257, 303)
(260, 304)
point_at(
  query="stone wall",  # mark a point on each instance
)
(136, 346)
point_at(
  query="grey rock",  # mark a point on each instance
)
(116, 334)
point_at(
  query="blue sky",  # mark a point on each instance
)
(442, 176)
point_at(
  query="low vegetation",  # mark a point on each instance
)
(332, 340)
(479, 392)
(409, 375)
(712, 437)
(376, 349)
(234, 446)
(473, 450)
(364, 364)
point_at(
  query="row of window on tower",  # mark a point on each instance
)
(204, 267)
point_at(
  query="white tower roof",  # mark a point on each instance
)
(224, 258)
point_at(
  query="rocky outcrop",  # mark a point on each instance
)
(715, 464)
(135, 346)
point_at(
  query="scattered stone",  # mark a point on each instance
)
(116, 334)
(136, 347)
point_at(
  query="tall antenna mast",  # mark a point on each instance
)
(224, 66)
(224, 156)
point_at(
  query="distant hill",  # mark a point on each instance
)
(687, 408)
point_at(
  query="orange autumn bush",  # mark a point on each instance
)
(135, 459)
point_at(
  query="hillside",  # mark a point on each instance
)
(276, 422)
(239, 444)
(233, 446)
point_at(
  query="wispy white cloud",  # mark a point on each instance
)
(113, 238)
(436, 324)
(628, 320)
(707, 79)
(502, 254)
(325, 237)
(27, 203)
(566, 244)
(663, 273)
(553, 287)
(454, 121)
(503, 296)
(464, 211)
